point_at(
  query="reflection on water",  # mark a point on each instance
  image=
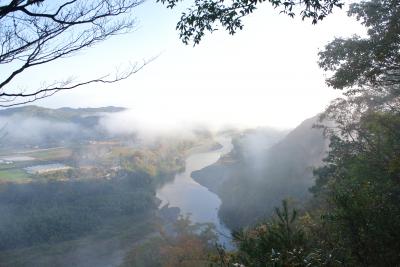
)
(193, 198)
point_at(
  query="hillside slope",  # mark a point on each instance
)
(285, 172)
(45, 127)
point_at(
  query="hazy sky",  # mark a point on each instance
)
(266, 74)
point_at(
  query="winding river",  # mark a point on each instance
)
(194, 199)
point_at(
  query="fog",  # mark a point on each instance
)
(161, 165)
(116, 161)
(26, 130)
(106, 190)
(148, 126)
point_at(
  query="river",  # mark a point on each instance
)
(194, 199)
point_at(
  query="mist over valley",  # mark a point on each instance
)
(203, 133)
(77, 172)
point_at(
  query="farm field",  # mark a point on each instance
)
(14, 175)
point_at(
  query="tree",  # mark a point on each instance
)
(360, 180)
(368, 61)
(186, 244)
(366, 68)
(277, 241)
(360, 186)
(204, 15)
(283, 240)
(36, 32)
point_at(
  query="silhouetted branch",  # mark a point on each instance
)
(36, 32)
(20, 98)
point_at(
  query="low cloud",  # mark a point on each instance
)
(17, 128)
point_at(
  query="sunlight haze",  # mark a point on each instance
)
(247, 79)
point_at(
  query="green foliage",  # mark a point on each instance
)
(46, 212)
(354, 218)
(161, 161)
(358, 188)
(284, 240)
(367, 61)
(359, 185)
(272, 241)
(362, 189)
(13, 175)
(205, 14)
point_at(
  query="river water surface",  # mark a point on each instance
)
(194, 199)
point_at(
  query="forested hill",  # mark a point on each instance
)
(283, 170)
(44, 127)
(294, 157)
(59, 114)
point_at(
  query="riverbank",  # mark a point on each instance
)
(192, 198)
(277, 167)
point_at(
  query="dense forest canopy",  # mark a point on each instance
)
(52, 212)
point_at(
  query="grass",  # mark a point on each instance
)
(51, 154)
(14, 175)
(122, 151)
(8, 166)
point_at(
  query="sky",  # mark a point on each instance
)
(265, 75)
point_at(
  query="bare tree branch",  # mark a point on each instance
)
(20, 98)
(36, 32)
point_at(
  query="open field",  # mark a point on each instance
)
(14, 175)
(15, 164)
(51, 154)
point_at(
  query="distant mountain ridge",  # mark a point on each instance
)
(34, 126)
(64, 113)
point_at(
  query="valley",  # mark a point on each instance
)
(271, 165)
(122, 191)
(208, 133)
(57, 201)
